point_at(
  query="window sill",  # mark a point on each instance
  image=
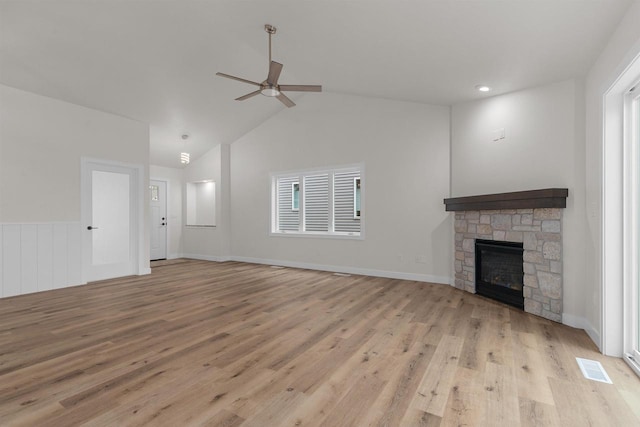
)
(340, 236)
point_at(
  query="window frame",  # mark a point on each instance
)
(300, 174)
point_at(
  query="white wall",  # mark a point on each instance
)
(174, 179)
(622, 48)
(41, 143)
(543, 148)
(405, 149)
(210, 243)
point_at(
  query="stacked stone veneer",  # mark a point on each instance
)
(539, 230)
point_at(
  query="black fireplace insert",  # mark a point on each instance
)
(499, 271)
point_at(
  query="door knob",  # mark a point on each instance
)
(91, 228)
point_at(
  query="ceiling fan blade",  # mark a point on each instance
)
(301, 88)
(249, 95)
(286, 101)
(237, 78)
(275, 68)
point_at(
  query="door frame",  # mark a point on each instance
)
(137, 212)
(616, 252)
(631, 137)
(169, 224)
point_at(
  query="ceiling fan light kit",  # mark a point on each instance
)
(270, 86)
(270, 91)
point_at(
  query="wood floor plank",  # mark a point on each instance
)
(237, 344)
(537, 414)
(465, 406)
(393, 402)
(501, 396)
(433, 392)
(531, 374)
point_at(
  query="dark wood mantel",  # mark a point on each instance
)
(544, 198)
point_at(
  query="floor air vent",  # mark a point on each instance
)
(593, 370)
(342, 274)
(277, 266)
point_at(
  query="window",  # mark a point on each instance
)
(153, 189)
(295, 200)
(318, 202)
(356, 199)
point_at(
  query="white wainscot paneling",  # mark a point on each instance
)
(39, 257)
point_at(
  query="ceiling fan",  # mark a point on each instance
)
(270, 86)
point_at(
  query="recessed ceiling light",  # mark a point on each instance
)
(483, 88)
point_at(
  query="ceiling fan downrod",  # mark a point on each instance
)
(271, 30)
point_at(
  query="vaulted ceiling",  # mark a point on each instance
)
(155, 61)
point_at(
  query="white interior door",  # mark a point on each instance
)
(158, 238)
(109, 220)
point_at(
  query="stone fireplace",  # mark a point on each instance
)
(533, 218)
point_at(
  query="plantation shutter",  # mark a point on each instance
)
(344, 202)
(288, 219)
(316, 202)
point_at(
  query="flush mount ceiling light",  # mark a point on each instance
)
(184, 156)
(483, 88)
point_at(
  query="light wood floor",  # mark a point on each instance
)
(233, 344)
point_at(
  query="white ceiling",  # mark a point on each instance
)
(155, 61)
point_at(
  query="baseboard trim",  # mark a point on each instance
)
(349, 270)
(582, 323)
(144, 271)
(206, 257)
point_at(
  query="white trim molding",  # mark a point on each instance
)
(206, 257)
(348, 270)
(581, 323)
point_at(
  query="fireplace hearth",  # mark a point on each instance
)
(499, 271)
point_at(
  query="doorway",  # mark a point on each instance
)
(158, 226)
(631, 310)
(620, 233)
(110, 220)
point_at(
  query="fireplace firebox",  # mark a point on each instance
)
(499, 271)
